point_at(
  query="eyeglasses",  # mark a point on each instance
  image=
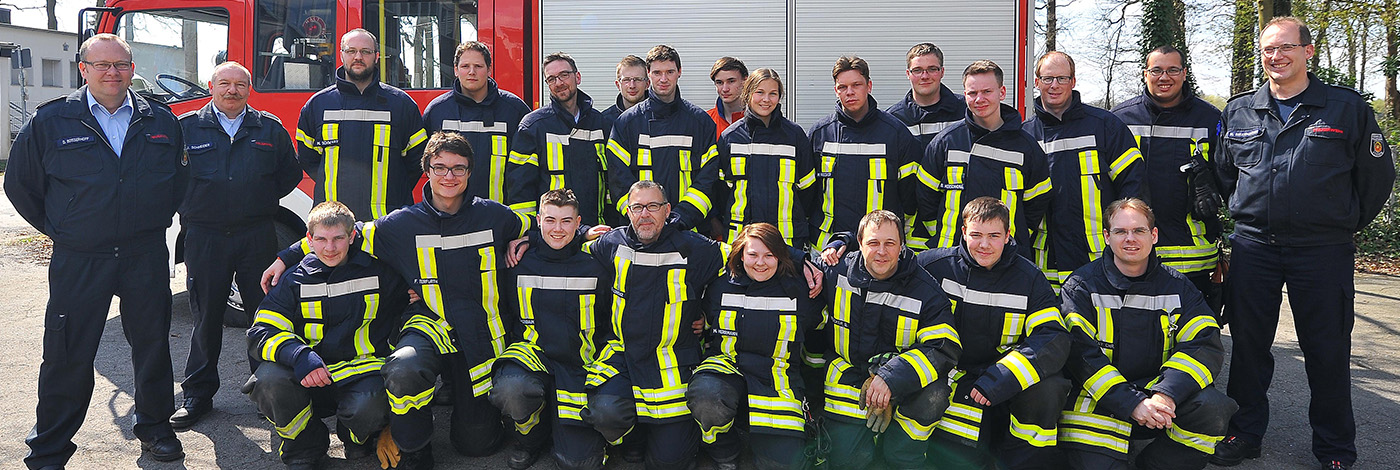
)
(552, 79)
(105, 66)
(359, 52)
(632, 80)
(652, 207)
(440, 170)
(927, 71)
(1063, 80)
(1284, 48)
(1171, 72)
(1137, 232)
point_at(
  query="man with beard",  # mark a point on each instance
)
(631, 84)
(570, 135)
(483, 113)
(1176, 132)
(360, 139)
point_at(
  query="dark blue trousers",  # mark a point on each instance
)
(211, 259)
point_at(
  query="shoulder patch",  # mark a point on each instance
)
(1377, 145)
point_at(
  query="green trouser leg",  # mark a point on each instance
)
(852, 445)
(900, 450)
(953, 455)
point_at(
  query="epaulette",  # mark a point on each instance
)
(268, 115)
(1243, 93)
(52, 101)
(193, 112)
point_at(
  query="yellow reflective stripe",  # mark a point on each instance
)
(909, 169)
(402, 405)
(1038, 190)
(529, 424)
(686, 168)
(379, 176)
(787, 333)
(928, 180)
(671, 329)
(787, 173)
(922, 366)
(490, 298)
(1094, 439)
(1021, 368)
(1105, 326)
(499, 150)
(1092, 205)
(555, 161)
(599, 371)
(776, 421)
(362, 342)
(841, 314)
(709, 154)
(1043, 316)
(313, 331)
(1014, 181)
(828, 163)
(1194, 327)
(938, 331)
(710, 434)
(527, 313)
(359, 365)
(952, 207)
(1123, 161)
(1201, 442)
(1078, 321)
(807, 180)
(1166, 329)
(1102, 381)
(1185, 363)
(728, 323)
(874, 196)
(330, 165)
(527, 354)
(619, 152)
(663, 402)
(481, 377)
(904, 331)
(270, 345)
(1034, 435)
(296, 426)
(273, 319)
(570, 404)
(307, 141)
(913, 429)
(586, 304)
(1012, 325)
(528, 208)
(524, 159)
(697, 199)
(414, 140)
(718, 364)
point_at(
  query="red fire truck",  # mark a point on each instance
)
(291, 47)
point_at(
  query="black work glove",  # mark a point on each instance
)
(1205, 194)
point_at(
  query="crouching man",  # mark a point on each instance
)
(322, 335)
(1145, 352)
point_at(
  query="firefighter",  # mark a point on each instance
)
(758, 316)
(485, 114)
(929, 106)
(1304, 168)
(668, 140)
(1014, 345)
(639, 379)
(1177, 134)
(101, 172)
(632, 84)
(768, 162)
(1146, 349)
(894, 346)
(985, 154)
(570, 135)
(243, 162)
(321, 337)
(359, 139)
(451, 249)
(1093, 162)
(565, 297)
(729, 75)
(867, 159)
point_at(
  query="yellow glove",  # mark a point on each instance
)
(387, 450)
(877, 419)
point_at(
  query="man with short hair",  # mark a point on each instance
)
(985, 154)
(668, 140)
(893, 343)
(1146, 350)
(101, 173)
(1177, 134)
(1014, 344)
(539, 381)
(243, 162)
(1093, 162)
(728, 74)
(639, 378)
(929, 106)
(321, 338)
(631, 84)
(483, 113)
(867, 159)
(561, 146)
(359, 139)
(1304, 167)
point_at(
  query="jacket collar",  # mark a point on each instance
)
(427, 203)
(668, 228)
(662, 108)
(860, 277)
(208, 117)
(1314, 95)
(1010, 119)
(872, 109)
(756, 122)
(1188, 99)
(945, 98)
(719, 109)
(355, 257)
(585, 104)
(547, 252)
(1008, 256)
(1120, 281)
(348, 87)
(75, 106)
(492, 91)
(1075, 110)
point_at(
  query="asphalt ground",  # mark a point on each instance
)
(233, 437)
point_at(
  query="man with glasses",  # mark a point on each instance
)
(560, 146)
(1093, 162)
(101, 172)
(1176, 132)
(930, 105)
(359, 139)
(1304, 168)
(631, 84)
(485, 114)
(243, 162)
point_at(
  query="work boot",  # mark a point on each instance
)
(1335, 465)
(1232, 450)
(521, 458)
(421, 459)
(191, 412)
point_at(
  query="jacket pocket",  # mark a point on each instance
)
(1325, 146)
(1246, 146)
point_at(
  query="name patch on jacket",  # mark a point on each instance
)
(328, 143)
(1324, 130)
(158, 138)
(1244, 134)
(265, 145)
(196, 147)
(82, 139)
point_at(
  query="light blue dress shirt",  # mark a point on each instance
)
(231, 125)
(114, 125)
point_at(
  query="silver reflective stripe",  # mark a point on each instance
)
(659, 141)
(1073, 143)
(781, 304)
(1170, 132)
(589, 135)
(990, 299)
(649, 259)
(763, 149)
(340, 288)
(927, 128)
(853, 149)
(560, 139)
(844, 283)
(557, 283)
(959, 156)
(357, 115)
(908, 304)
(453, 242)
(1169, 302)
(473, 126)
(1007, 156)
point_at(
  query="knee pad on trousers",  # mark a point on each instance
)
(517, 395)
(363, 413)
(1211, 411)
(711, 400)
(611, 415)
(593, 462)
(927, 405)
(407, 373)
(275, 386)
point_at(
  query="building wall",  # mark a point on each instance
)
(44, 45)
